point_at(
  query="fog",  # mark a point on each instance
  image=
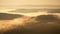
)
(29, 16)
(41, 24)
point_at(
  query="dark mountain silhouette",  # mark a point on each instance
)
(25, 10)
(36, 10)
(53, 10)
(42, 24)
(5, 16)
(37, 25)
(47, 18)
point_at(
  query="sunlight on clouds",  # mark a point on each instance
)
(5, 10)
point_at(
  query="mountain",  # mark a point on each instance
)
(36, 10)
(6, 16)
(54, 11)
(42, 24)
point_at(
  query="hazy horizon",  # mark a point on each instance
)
(28, 3)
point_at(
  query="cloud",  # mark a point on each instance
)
(41, 24)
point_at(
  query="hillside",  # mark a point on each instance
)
(5, 16)
(42, 24)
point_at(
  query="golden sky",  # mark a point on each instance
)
(15, 4)
(19, 3)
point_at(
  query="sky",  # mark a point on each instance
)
(9, 5)
(24, 3)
